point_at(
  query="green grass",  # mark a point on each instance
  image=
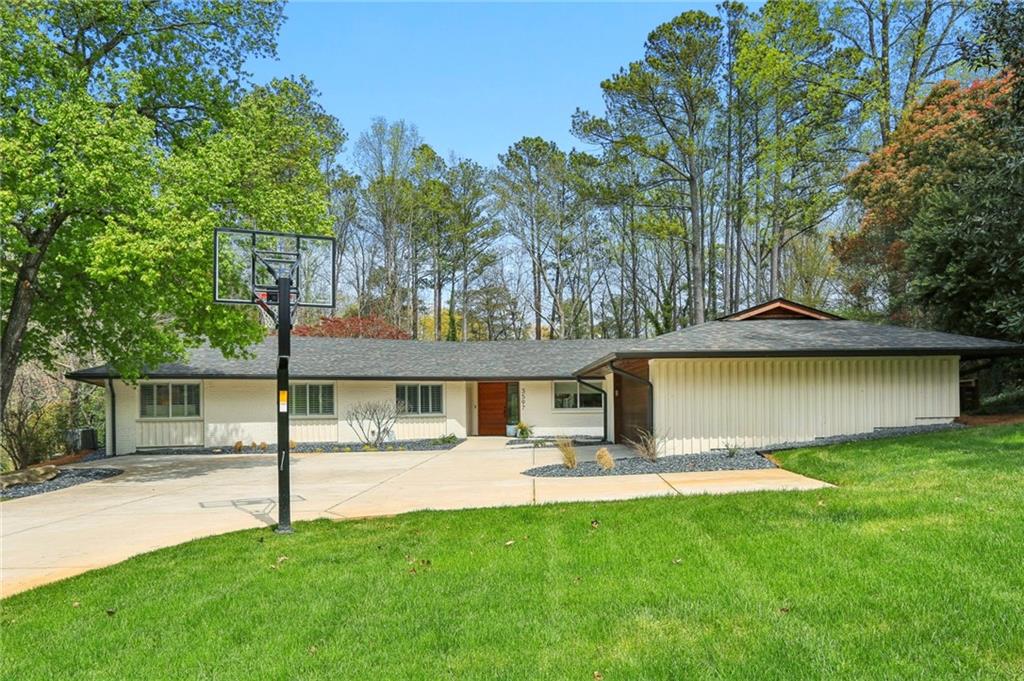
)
(912, 568)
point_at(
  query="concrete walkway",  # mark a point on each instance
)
(165, 500)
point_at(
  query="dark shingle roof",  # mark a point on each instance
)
(363, 358)
(807, 337)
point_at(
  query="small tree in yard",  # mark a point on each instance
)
(30, 426)
(372, 421)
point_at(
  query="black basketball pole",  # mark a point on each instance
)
(284, 350)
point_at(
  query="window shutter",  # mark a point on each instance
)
(192, 396)
(147, 401)
(327, 399)
(300, 405)
(313, 399)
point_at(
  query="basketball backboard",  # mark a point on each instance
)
(247, 263)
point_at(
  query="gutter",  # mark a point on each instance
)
(963, 353)
(650, 392)
(112, 435)
(604, 404)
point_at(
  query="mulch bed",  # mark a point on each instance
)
(991, 419)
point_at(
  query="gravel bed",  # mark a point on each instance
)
(744, 460)
(427, 445)
(543, 441)
(67, 477)
(741, 460)
(876, 434)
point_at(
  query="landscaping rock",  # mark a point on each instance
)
(424, 445)
(719, 460)
(746, 459)
(68, 477)
(28, 476)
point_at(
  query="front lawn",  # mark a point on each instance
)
(912, 568)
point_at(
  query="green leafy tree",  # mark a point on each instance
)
(942, 212)
(660, 110)
(127, 136)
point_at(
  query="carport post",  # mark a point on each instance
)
(284, 350)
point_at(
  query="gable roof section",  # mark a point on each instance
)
(779, 308)
(373, 359)
(806, 338)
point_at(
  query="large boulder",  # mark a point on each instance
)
(28, 476)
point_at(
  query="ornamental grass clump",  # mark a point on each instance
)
(568, 450)
(604, 459)
(645, 445)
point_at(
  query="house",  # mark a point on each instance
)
(777, 372)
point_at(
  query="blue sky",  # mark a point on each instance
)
(474, 78)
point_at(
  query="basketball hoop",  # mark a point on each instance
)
(278, 273)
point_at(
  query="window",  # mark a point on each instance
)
(418, 399)
(573, 395)
(168, 400)
(311, 399)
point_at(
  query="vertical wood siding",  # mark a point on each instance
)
(170, 433)
(704, 404)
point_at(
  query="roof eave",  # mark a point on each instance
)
(851, 352)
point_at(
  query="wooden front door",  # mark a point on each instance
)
(631, 415)
(491, 401)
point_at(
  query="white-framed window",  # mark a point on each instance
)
(414, 398)
(311, 399)
(168, 400)
(573, 395)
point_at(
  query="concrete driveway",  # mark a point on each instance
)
(163, 500)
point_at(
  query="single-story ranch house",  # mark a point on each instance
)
(778, 372)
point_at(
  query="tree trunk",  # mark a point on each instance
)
(697, 245)
(438, 285)
(22, 298)
(465, 304)
(414, 292)
(777, 231)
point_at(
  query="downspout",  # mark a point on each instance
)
(650, 392)
(112, 435)
(604, 404)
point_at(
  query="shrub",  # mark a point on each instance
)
(604, 459)
(291, 444)
(447, 439)
(568, 450)
(238, 446)
(372, 422)
(645, 445)
(33, 427)
(523, 431)
(263, 446)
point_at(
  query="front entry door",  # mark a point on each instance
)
(491, 398)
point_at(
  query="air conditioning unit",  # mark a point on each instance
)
(80, 438)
